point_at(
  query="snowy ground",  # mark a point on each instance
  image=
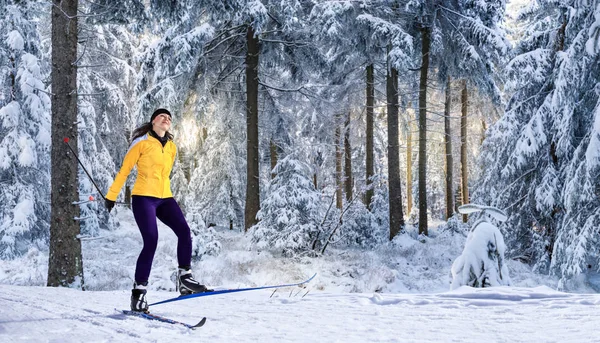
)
(38, 314)
(398, 292)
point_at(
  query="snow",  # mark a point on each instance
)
(9, 114)
(27, 155)
(23, 210)
(15, 41)
(499, 314)
(397, 292)
(591, 46)
(592, 154)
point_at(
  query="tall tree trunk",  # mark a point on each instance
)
(370, 121)
(128, 196)
(65, 265)
(426, 41)
(338, 167)
(449, 160)
(483, 130)
(395, 191)
(463, 147)
(273, 153)
(409, 163)
(348, 180)
(13, 78)
(252, 185)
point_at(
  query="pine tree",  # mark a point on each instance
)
(291, 213)
(106, 79)
(25, 132)
(540, 160)
(462, 39)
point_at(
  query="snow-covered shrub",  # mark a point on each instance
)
(413, 218)
(360, 227)
(455, 225)
(481, 263)
(204, 241)
(290, 215)
(380, 208)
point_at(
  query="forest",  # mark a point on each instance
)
(306, 125)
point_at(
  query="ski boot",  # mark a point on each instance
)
(186, 283)
(138, 297)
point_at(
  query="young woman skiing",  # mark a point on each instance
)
(153, 151)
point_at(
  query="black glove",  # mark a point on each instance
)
(109, 204)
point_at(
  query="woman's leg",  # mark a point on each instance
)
(144, 212)
(170, 214)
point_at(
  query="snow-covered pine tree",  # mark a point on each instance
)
(290, 216)
(371, 36)
(24, 131)
(216, 187)
(106, 78)
(540, 161)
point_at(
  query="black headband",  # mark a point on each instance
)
(160, 111)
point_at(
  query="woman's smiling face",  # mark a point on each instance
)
(162, 122)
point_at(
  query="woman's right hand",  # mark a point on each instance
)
(109, 204)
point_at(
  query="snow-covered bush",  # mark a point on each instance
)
(204, 241)
(455, 225)
(290, 215)
(360, 227)
(481, 263)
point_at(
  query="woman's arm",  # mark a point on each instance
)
(129, 162)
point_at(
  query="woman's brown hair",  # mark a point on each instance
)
(144, 129)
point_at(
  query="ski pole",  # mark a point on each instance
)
(66, 140)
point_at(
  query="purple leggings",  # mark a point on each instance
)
(146, 210)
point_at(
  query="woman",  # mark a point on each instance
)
(153, 151)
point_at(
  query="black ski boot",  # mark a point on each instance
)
(186, 283)
(138, 297)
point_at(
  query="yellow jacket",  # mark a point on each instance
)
(154, 164)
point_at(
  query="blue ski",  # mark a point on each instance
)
(223, 291)
(151, 316)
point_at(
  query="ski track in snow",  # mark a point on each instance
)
(502, 314)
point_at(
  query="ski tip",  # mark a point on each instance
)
(312, 277)
(200, 324)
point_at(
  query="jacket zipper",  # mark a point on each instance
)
(162, 184)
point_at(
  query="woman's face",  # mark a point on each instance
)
(162, 122)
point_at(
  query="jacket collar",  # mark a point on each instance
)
(163, 140)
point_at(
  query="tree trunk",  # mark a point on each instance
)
(483, 130)
(348, 180)
(463, 148)
(128, 195)
(338, 167)
(395, 191)
(65, 265)
(426, 41)
(273, 151)
(370, 149)
(449, 160)
(13, 79)
(409, 163)
(252, 185)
